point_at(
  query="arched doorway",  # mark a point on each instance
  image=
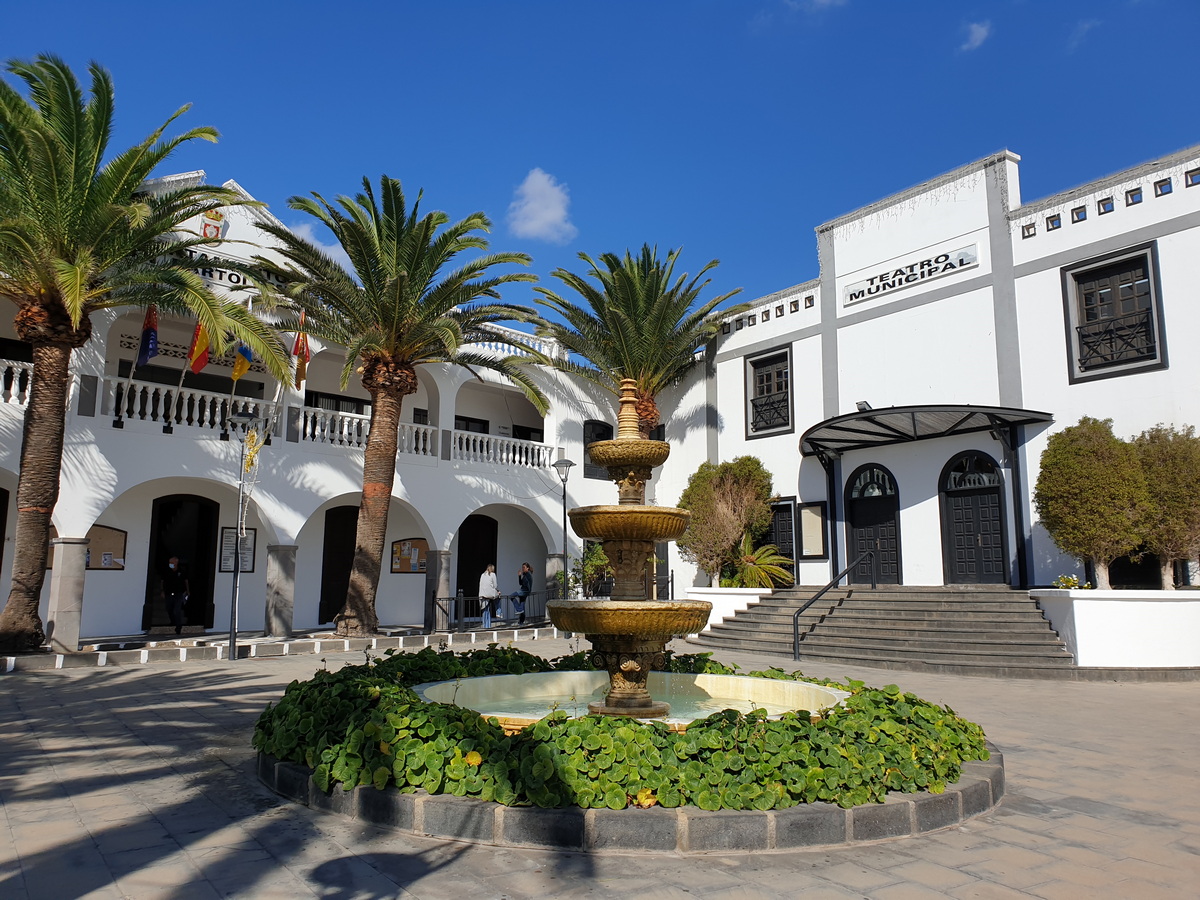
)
(873, 518)
(337, 559)
(477, 537)
(182, 525)
(973, 532)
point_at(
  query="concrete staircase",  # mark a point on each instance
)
(986, 630)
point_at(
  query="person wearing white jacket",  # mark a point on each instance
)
(489, 593)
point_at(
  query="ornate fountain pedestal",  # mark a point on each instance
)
(630, 631)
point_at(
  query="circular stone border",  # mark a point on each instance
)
(686, 829)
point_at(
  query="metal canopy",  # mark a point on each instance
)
(904, 424)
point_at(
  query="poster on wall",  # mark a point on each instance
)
(409, 556)
(229, 552)
(106, 548)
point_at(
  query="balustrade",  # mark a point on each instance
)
(140, 401)
(468, 446)
(14, 381)
(323, 426)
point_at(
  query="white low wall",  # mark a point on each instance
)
(726, 601)
(1129, 629)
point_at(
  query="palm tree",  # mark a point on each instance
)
(635, 322)
(79, 235)
(398, 309)
(759, 567)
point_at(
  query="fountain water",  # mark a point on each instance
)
(629, 632)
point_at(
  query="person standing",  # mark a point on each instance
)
(175, 591)
(525, 587)
(489, 592)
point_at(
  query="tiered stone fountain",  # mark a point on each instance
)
(629, 632)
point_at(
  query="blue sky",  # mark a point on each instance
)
(731, 128)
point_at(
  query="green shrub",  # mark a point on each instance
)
(363, 725)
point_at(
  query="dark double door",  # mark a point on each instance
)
(874, 526)
(973, 537)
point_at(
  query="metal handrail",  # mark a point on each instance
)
(456, 611)
(867, 554)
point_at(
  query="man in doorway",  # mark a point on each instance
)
(175, 591)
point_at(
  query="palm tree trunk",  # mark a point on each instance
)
(358, 618)
(37, 492)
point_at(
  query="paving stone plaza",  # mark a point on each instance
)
(139, 782)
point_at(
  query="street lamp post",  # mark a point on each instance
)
(248, 459)
(563, 467)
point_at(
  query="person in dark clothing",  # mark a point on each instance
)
(525, 587)
(175, 591)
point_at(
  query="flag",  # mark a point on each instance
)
(241, 361)
(301, 352)
(149, 345)
(198, 352)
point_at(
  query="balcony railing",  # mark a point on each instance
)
(769, 411)
(140, 401)
(14, 381)
(502, 347)
(323, 426)
(467, 446)
(1123, 339)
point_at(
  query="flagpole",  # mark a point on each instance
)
(119, 422)
(167, 426)
(228, 412)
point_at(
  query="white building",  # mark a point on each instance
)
(901, 401)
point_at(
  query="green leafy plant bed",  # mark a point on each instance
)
(364, 725)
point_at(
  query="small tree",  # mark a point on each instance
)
(1091, 494)
(727, 501)
(1170, 461)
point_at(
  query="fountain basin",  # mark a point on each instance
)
(520, 700)
(629, 522)
(633, 618)
(631, 452)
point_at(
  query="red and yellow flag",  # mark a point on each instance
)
(198, 352)
(301, 352)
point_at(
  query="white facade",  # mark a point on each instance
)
(951, 294)
(955, 294)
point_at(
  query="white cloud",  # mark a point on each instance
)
(812, 5)
(977, 33)
(306, 231)
(540, 209)
(1080, 33)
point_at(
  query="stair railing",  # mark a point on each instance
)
(868, 554)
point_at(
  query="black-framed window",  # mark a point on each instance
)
(769, 393)
(1114, 315)
(528, 433)
(595, 430)
(473, 425)
(420, 416)
(336, 403)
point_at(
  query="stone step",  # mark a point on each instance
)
(915, 606)
(866, 655)
(977, 630)
(916, 648)
(1023, 634)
